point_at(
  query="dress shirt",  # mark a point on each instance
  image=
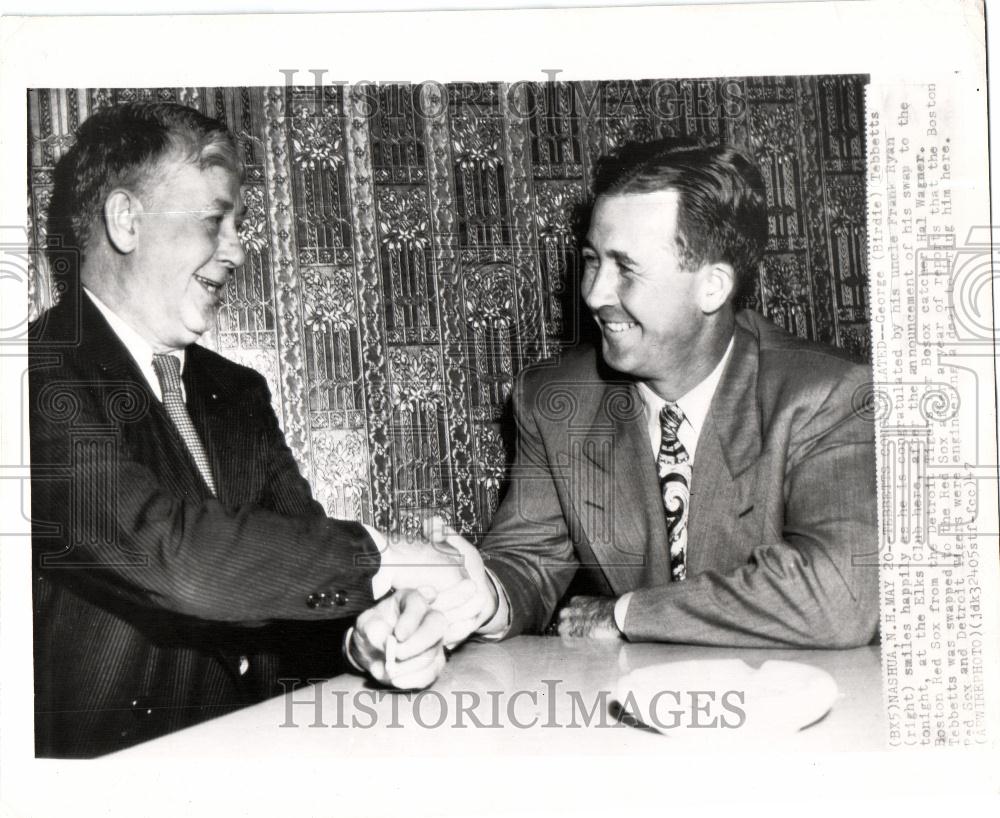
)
(138, 347)
(694, 404)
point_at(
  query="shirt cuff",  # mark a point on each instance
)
(621, 610)
(347, 650)
(499, 624)
(382, 581)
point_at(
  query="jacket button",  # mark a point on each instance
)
(340, 599)
(244, 665)
(141, 707)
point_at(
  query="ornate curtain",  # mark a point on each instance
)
(411, 248)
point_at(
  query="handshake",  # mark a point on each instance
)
(440, 594)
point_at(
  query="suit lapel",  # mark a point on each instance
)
(153, 432)
(104, 348)
(615, 480)
(734, 411)
(729, 444)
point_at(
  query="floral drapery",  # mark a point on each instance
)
(411, 248)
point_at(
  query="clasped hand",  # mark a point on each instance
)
(441, 595)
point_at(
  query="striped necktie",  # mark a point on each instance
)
(674, 469)
(168, 371)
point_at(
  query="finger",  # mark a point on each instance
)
(474, 609)
(376, 669)
(415, 677)
(372, 634)
(413, 605)
(462, 593)
(417, 672)
(417, 662)
(387, 609)
(428, 635)
(440, 533)
(390, 651)
(455, 540)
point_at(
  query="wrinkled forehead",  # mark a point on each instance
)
(215, 175)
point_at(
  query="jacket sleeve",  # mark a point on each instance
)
(816, 585)
(132, 538)
(529, 547)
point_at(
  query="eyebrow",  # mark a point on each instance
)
(227, 204)
(618, 256)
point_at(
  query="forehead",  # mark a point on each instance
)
(182, 181)
(635, 217)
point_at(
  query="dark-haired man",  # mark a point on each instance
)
(705, 476)
(180, 561)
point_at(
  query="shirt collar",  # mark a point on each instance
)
(138, 347)
(694, 403)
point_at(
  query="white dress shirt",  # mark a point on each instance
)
(138, 347)
(694, 404)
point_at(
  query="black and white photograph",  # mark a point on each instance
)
(608, 416)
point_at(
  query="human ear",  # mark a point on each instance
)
(121, 211)
(717, 283)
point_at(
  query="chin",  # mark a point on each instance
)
(187, 334)
(620, 362)
(198, 325)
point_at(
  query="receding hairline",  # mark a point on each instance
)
(218, 153)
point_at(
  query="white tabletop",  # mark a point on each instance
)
(526, 696)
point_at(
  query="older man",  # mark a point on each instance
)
(706, 475)
(179, 554)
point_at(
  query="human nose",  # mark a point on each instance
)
(230, 251)
(600, 286)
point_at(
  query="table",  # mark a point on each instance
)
(531, 695)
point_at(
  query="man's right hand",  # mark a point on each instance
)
(482, 605)
(411, 561)
(400, 641)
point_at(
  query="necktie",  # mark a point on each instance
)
(168, 371)
(674, 469)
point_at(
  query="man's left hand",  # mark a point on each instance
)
(590, 616)
(398, 642)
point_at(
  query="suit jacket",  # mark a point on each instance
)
(782, 536)
(157, 605)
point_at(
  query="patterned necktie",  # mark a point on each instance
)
(168, 371)
(674, 469)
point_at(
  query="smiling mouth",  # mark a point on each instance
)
(618, 326)
(213, 287)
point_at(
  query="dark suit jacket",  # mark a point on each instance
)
(148, 592)
(782, 536)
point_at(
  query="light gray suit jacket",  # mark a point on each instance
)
(782, 536)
